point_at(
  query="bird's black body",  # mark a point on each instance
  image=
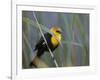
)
(41, 46)
(52, 43)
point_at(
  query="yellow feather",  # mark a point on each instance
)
(55, 40)
(56, 37)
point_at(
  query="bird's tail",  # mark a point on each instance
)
(36, 59)
(32, 64)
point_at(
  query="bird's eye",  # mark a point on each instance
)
(58, 31)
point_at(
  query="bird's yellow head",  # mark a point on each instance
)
(56, 31)
(56, 35)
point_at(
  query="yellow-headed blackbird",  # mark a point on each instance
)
(52, 42)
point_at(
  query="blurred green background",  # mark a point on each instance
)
(75, 37)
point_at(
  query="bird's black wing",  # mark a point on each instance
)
(41, 42)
